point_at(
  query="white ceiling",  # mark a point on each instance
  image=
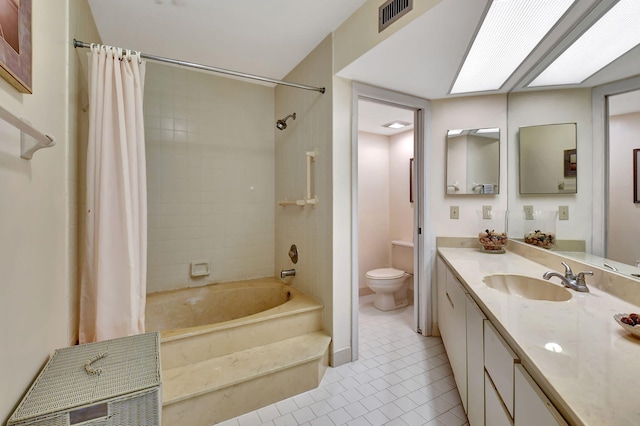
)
(269, 38)
(262, 37)
(424, 57)
(624, 103)
(373, 115)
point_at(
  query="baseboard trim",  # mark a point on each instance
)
(343, 356)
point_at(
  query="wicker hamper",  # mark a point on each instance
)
(110, 383)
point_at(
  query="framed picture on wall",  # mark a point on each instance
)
(636, 176)
(15, 43)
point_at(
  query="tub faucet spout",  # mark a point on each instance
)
(287, 273)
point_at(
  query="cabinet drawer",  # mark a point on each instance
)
(532, 407)
(499, 360)
(495, 413)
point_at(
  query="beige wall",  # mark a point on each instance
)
(309, 228)
(210, 161)
(384, 210)
(82, 27)
(38, 222)
(341, 218)
(373, 204)
(624, 226)
(359, 33)
(401, 209)
(464, 113)
(550, 107)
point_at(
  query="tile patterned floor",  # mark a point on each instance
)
(401, 378)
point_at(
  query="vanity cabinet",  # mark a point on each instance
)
(494, 388)
(460, 322)
(495, 411)
(532, 407)
(475, 362)
(454, 331)
(499, 362)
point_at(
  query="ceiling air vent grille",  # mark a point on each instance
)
(391, 11)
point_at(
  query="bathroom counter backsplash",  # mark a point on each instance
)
(594, 375)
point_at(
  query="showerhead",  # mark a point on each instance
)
(282, 123)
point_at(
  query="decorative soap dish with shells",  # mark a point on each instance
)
(625, 322)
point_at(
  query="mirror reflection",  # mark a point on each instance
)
(473, 161)
(623, 227)
(548, 159)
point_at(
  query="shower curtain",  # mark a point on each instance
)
(113, 288)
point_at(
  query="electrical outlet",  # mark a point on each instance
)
(563, 212)
(486, 212)
(454, 212)
(528, 212)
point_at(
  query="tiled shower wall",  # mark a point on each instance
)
(210, 169)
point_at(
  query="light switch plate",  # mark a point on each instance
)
(454, 212)
(563, 212)
(486, 212)
(528, 212)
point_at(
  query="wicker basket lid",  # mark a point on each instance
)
(113, 368)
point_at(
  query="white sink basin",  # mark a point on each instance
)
(527, 287)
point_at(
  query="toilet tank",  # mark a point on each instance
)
(402, 255)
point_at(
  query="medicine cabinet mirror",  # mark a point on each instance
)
(473, 161)
(548, 159)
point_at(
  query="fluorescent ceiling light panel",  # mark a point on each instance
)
(510, 31)
(610, 37)
(491, 130)
(396, 124)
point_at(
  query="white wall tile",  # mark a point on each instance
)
(209, 139)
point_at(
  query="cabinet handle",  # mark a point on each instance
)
(449, 297)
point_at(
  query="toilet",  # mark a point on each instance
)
(390, 284)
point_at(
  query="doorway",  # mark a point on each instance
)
(623, 228)
(416, 112)
(385, 205)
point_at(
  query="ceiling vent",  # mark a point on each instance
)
(391, 11)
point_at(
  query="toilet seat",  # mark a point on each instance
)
(385, 274)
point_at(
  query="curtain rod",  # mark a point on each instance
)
(77, 43)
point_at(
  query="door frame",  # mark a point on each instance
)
(423, 234)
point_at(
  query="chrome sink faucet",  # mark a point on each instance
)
(569, 279)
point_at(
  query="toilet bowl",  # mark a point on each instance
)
(390, 284)
(390, 287)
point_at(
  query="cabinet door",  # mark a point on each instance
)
(532, 407)
(457, 339)
(475, 363)
(499, 361)
(495, 412)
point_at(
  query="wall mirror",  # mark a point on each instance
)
(548, 159)
(473, 161)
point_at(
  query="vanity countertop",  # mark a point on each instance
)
(595, 379)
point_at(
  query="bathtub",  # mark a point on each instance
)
(199, 323)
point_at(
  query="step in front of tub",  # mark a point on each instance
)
(224, 387)
(207, 343)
